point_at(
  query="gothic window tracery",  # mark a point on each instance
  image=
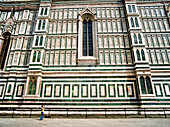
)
(146, 86)
(32, 86)
(87, 38)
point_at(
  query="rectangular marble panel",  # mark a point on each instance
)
(66, 91)
(64, 27)
(84, 91)
(104, 26)
(100, 41)
(56, 58)
(59, 27)
(93, 89)
(62, 58)
(20, 90)
(1, 90)
(63, 42)
(158, 90)
(73, 57)
(102, 90)
(60, 14)
(48, 90)
(111, 90)
(74, 27)
(75, 91)
(121, 90)
(57, 90)
(68, 58)
(99, 26)
(107, 59)
(101, 57)
(105, 42)
(65, 13)
(74, 42)
(69, 27)
(109, 26)
(68, 42)
(58, 42)
(167, 90)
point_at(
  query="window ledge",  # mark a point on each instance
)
(147, 95)
(88, 60)
(31, 96)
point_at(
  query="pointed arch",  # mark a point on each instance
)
(34, 56)
(138, 55)
(87, 38)
(36, 42)
(43, 26)
(4, 46)
(32, 86)
(42, 10)
(41, 40)
(45, 13)
(136, 22)
(143, 54)
(133, 8)
(87, 35)
(39, 25)
(132, 22)
(39, 56)
(135, 39)
(142, 83)
(140, 39)
(148, 84)
(129, 8)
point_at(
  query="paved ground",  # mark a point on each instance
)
(34, 122)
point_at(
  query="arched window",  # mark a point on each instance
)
(45, 11)
(132, 22)
(4, 45)
(39, 25)
(34, 56)
(43, 26)
(39, 56)
(133, 8)
(140, 39)
(9, 88)
(138, 55)
(142, 83)
(148, 84)
(41, 40)
(136, 22)
(32, 86)
(42, 10)
(36, 42)
(143, 54)
(135, 39)
(87, 44)
(87, 38)
(129, 8)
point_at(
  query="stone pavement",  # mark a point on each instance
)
(51, 122)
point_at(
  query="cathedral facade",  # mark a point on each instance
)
(86, 53)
